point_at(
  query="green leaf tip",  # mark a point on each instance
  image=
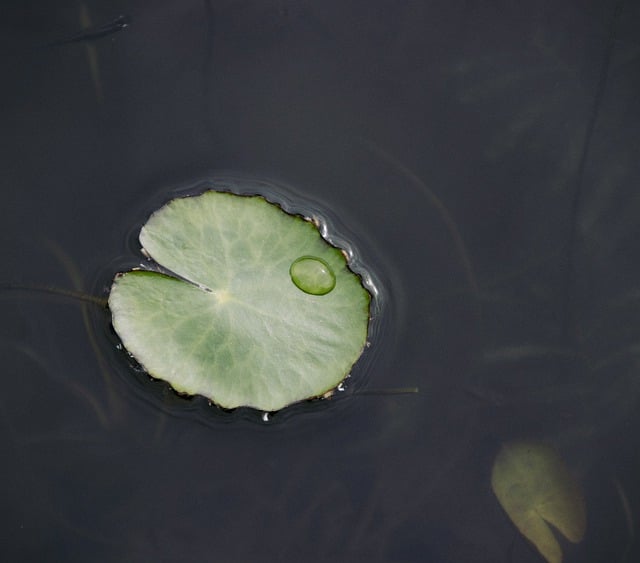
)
(236, 315)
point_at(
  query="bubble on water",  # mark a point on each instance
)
(312, 275)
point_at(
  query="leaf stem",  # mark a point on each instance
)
(68, 293)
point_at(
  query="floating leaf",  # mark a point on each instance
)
(534, 487)
(253, 307)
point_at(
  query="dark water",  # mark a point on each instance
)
(484, 158)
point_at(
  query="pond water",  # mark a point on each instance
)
(483, 161)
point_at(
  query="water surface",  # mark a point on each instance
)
(484, 161)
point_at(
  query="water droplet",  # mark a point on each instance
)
(265, 417)
(312, 275)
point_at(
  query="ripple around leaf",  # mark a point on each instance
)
(229, 323)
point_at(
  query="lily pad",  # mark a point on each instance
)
(250, 306)
(535, 488)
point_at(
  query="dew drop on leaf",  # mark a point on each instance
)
(312, 275)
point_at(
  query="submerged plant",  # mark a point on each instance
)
(535, 489)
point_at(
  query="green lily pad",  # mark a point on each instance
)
(534, 487)
(253, 307)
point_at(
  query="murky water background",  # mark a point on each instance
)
(519, 121)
